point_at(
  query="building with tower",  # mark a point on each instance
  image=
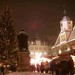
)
(66, 37)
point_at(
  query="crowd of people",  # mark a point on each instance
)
(56, 67)
(5, 69)
(43, 67)
(63, 67)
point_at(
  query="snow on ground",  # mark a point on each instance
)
(26, 73)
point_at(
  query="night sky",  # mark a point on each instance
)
(40, 17)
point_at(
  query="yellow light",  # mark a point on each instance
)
(45, 59)
(38, 59)
(32, 61)
(73, 58)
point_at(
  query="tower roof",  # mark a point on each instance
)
(66, 18)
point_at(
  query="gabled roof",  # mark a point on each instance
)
(57, 42)
(71, 38)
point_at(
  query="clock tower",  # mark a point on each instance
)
(66, 26)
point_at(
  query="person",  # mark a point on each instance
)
(13, 68)
(56, 67)
(46, 66)
(1, 70)
(38, 67)
(71, 66)
(42, 67)
(64, 66)
(52, 67)
(33, 67)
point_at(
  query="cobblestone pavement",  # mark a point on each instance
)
(27, 73)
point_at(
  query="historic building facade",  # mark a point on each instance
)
(66, 39)
(39, 47)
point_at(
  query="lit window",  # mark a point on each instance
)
(32, 48)
(45, 53)
(32, 53)
(32, 43)
(40, 48)
(36, 48)
(44, 48)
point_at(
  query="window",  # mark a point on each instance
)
(36, 48)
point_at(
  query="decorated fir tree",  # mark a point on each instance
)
(7, 33)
